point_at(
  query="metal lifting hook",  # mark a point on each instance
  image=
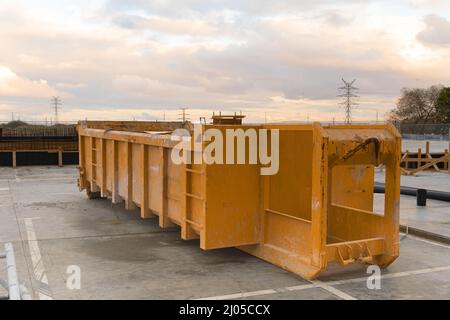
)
(368, 141)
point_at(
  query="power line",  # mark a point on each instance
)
(57, 103)
(348, 94)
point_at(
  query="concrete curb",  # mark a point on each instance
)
(425, 234)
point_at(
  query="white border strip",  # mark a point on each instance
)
(326, 285)
(38, 264)
(241, 295)
(333, 290)
(435, 243)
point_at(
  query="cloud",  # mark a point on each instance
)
(11, 85)
(71, 85)
(285, 58)
(178, 8)
(150, 87)
(436, 32)
(165, 25)
(337, 19)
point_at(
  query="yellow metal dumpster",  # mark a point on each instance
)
(316, 208)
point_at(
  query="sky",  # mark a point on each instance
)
(271, 60)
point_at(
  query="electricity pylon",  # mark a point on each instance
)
(56, 102)
(348, 94)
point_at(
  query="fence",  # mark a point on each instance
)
(38, 123)
(39, 131)
(416, 161)
(424, 131)
(25, 144)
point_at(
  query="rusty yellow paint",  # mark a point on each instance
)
(318, 209)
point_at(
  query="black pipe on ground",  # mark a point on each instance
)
(422, 197)
(409, 191)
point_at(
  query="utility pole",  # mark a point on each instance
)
(348, 94)
(184, 115)
(56, 104)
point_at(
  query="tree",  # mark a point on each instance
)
(443, 105)
(15, 124)
(418, 105)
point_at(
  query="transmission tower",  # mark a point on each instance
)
(348, 96)
(184, 116)
(56, 104)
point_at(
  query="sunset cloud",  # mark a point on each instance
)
(437, 31)
(280, 60)
(11, 85)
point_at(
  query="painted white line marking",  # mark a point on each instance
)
(392, 275)
(45, 179)
(333, 290)
(65, 193)
(327, 285)
(38, 264)
(33, 218)
(241, 295)
(415, 272)
(4, 189)
(300, 287)
(323, 285)
(428, 241)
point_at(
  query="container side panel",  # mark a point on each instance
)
(88, 158)
(352, 186)
(155, 187)
(137, 173)
(232, 216)
(109, 165)
(122, 168)
(196, 202)
(290, 189)
(349, 224)
(98, 161)
(288, 234)
(232, 197)
(174, 191)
